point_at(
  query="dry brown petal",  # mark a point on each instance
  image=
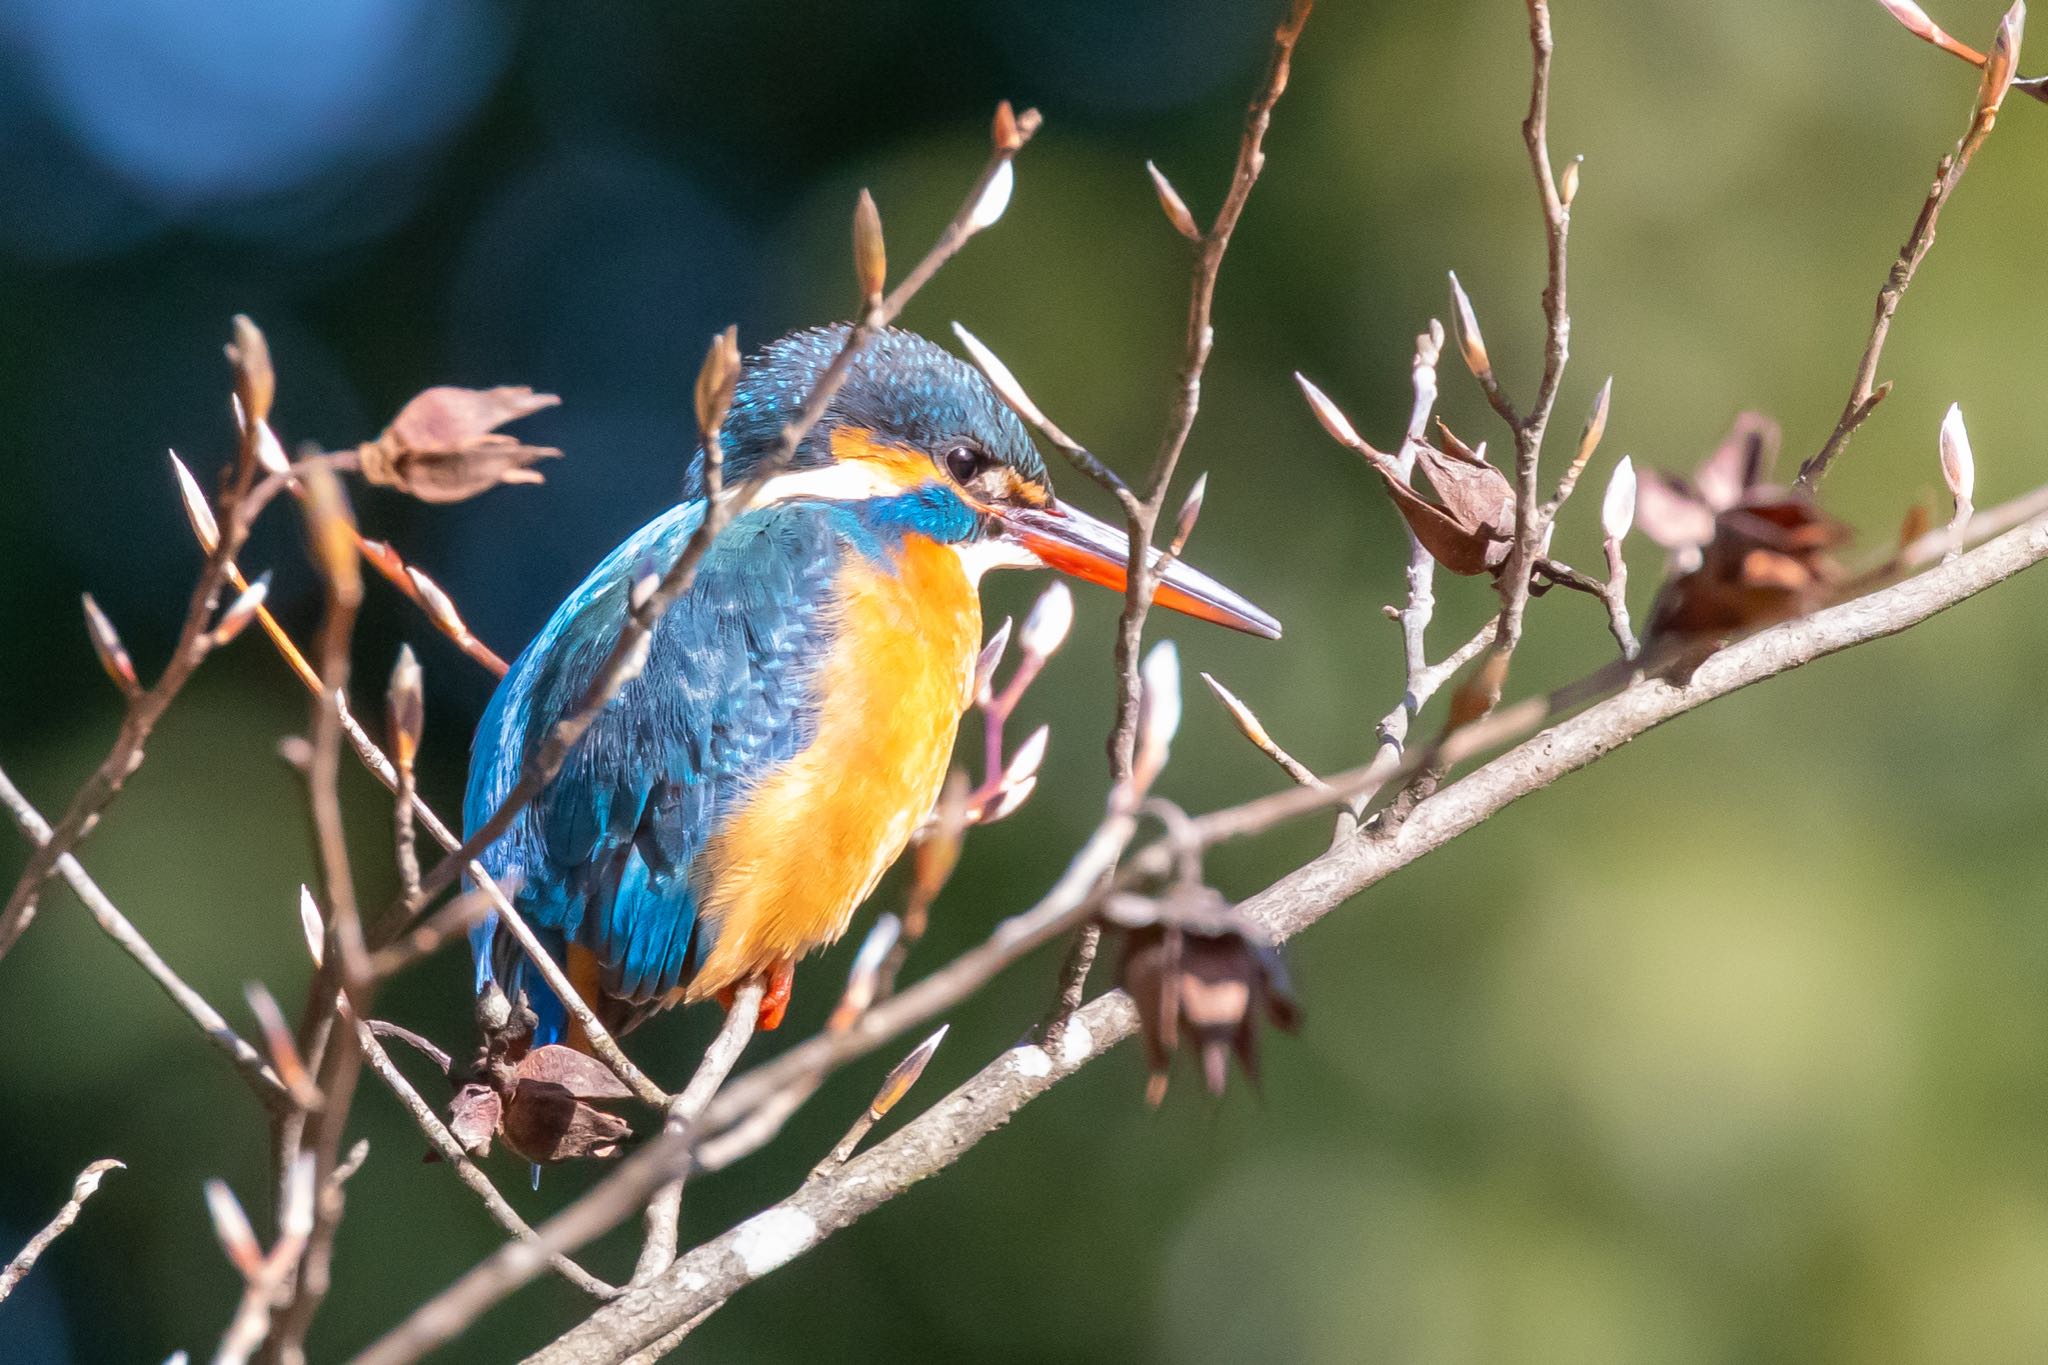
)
(474, 1116)
(1770, 560)
(1741, 462)
(1669, 512)
(443, 446)
(545, 1123)
(1470, 530)
(580, 1076)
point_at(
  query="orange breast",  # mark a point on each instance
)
(786, 873)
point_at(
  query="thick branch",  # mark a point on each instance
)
(705, 1277)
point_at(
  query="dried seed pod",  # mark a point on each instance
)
(1203, 977)
(444, 445)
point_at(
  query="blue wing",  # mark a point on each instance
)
(604, 856)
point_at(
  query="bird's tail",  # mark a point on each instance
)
(501, 961)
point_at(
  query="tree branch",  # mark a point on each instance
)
(247, 1059)
(704, 1278)
(1863, 397)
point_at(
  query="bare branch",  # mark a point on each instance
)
(246, 1058)
(1864, 392)
(704, 1278)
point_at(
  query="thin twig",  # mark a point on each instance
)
(447, 1314)
(1141, 522)
(246, 1058)
(664, 1210)
(246, 499)
(1864, 393)
(1530, 521)
(81, 1190)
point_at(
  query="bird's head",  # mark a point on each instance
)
(916, 442)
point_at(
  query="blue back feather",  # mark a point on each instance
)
(607, 855)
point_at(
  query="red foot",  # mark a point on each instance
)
(780, 981)
(775, 1000)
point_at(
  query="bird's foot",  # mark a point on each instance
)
(777, 984)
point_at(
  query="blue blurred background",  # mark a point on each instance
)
(1731, 1049)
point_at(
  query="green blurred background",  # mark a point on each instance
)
(1730, 1049)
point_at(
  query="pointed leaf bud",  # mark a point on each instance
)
(242, 610)
(870, 256)
(1030, 756)
(1003, 132)
(1958, 464)
(1596, 422)
(1159, 711)
(995, 197)
(1568, 182)
(1329, 414)
(1176, 208)
(2002, 63)
(197, 510)
(311, 925)
(1045, 629)
(864, 977)
(1190, 513)
(904, 1075)
(937, 851)
(1248, 724)
(405, 708)
(269, 452)
(1618, 506)
(716, 380)
(1008, 801)
(1470, 343)
(107, 646)
(986, 662)
(295, 1211)
(231, 1226)
(330, 526)
(999, 377)
(439, 607)
(255, 381)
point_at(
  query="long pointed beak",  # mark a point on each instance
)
(1073, 542)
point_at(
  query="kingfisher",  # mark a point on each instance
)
(739, 799)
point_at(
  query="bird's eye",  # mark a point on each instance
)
(964, 462)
